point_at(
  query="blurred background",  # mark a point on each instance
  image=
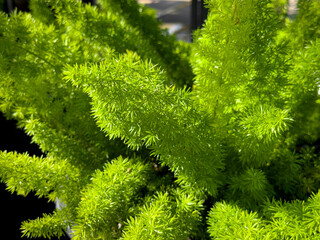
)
(180, 17)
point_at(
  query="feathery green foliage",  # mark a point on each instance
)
(105, 203)
(165, 217)
(130, 151)
(230, 222)
(174, 129)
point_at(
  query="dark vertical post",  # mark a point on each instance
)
(8, 6)
(198, 14)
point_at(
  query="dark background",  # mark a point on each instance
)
(16, 209)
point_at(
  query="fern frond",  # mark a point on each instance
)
(130, 101)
